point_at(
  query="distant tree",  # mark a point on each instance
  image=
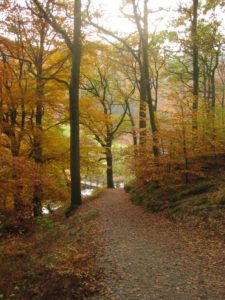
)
(106, 111)
(140, 19)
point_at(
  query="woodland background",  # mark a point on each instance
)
(148, 110)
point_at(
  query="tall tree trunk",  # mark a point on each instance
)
(147, 81)
(213, 85)
(74, 111)
(204, 83)
(213, 88)
(195, 53)
(222, 108)
(38, 145)
(74, 47)
(144, 68)
(37, 154)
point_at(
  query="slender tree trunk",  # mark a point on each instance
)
(37, 152)
(38, 143)
(18, 202)
(222, 108)
(144, 69)
(142, 110)
(195, 65)
(213, 87)
(213, 95)
(147, 81)
(15, 150)
(156, 92)
(134, 132)
(185, 153)
(74, 111)
(204, 83)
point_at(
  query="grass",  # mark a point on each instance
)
(45, 222)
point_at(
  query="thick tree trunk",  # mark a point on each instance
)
(74, 111)
(109, 171)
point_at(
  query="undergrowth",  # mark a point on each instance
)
(54, 262)
(204, 200)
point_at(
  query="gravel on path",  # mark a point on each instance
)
(145, 256)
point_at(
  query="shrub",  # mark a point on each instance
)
(45, 222)
(153, 204)
(189, 190)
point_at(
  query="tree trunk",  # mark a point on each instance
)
(213, 94)
(147, 81)
(222, 107)
(17, 198)
(195, 65)
(74, 111)
(37, 154)
(142, 110)
(134, 132)
(109, 172)
(74, 46)
(38, 149)
(15, 150)
(144, 69)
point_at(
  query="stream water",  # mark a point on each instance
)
(45, 210)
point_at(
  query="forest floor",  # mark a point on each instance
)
(145, 256)
(50, 258)
(112, 249)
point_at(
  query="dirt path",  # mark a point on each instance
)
(144, 256)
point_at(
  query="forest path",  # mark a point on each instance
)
(145, 256)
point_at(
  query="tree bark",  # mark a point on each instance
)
(74, 111)
(75, 47)
(134, 132)
(38, 144)
(144, 37)
(142, 110)
(109, 172)
(37, 152)
(195, 51)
